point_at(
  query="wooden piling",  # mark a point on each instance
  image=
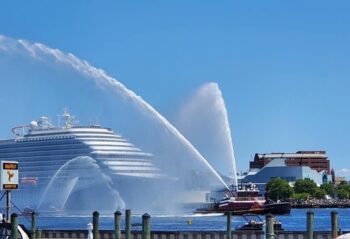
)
(33, 226)
(334, 223)
(38, 234)
(95, 224)
(14, 226)
(309, 224)
(146, 226)
(117, 232)
(229, 225)
(269, 227)
(127, 224)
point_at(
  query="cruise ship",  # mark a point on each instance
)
(75, 168)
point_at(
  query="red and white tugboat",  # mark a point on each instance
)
(245, 200)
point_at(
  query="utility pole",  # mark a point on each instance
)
(8, 205)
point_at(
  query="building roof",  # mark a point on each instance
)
(278, 162)
(300, 154)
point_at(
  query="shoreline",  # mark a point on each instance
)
(322, 204)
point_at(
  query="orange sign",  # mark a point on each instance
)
(9, 186)
(10, 166)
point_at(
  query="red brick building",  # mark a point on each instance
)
(317, 160)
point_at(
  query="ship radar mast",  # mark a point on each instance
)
(68, 119)
(43, 123)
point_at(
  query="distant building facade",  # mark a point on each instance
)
(289, 166)
(339, 179)
(316, 160)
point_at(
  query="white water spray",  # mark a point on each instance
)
(66, 181)
(40, 52)
(203, 120)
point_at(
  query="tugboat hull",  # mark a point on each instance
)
(273, 208)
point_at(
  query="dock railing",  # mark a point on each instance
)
(147, 233)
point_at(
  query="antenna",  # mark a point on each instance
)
(68, 120)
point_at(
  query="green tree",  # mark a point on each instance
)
(278, 189)
(301, 196)
(305, 186)
(343, 183)
(346, 187)
(343, 194)
(343, 190)
(319, 193)
(328, 188)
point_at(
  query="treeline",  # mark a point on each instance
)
(304, 189)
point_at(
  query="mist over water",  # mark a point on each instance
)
(203, 120)
(80, 176)
(41, 81)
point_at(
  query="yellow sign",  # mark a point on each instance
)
(9, 175)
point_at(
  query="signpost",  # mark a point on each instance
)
(9, 181)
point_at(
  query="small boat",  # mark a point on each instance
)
(245, 200)
(252, 223)
(255, 223)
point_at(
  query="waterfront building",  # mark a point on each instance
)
(316, 160)
(289, 166)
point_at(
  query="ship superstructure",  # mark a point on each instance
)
(42, 149)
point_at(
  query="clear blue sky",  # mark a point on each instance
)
(283, 66)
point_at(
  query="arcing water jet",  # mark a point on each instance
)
(81, 175)
(49, 79)
(203, 120)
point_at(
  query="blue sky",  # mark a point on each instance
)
(283, 66)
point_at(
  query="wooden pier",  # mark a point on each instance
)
(109, 234)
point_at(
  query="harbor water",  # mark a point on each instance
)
(296, 221)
